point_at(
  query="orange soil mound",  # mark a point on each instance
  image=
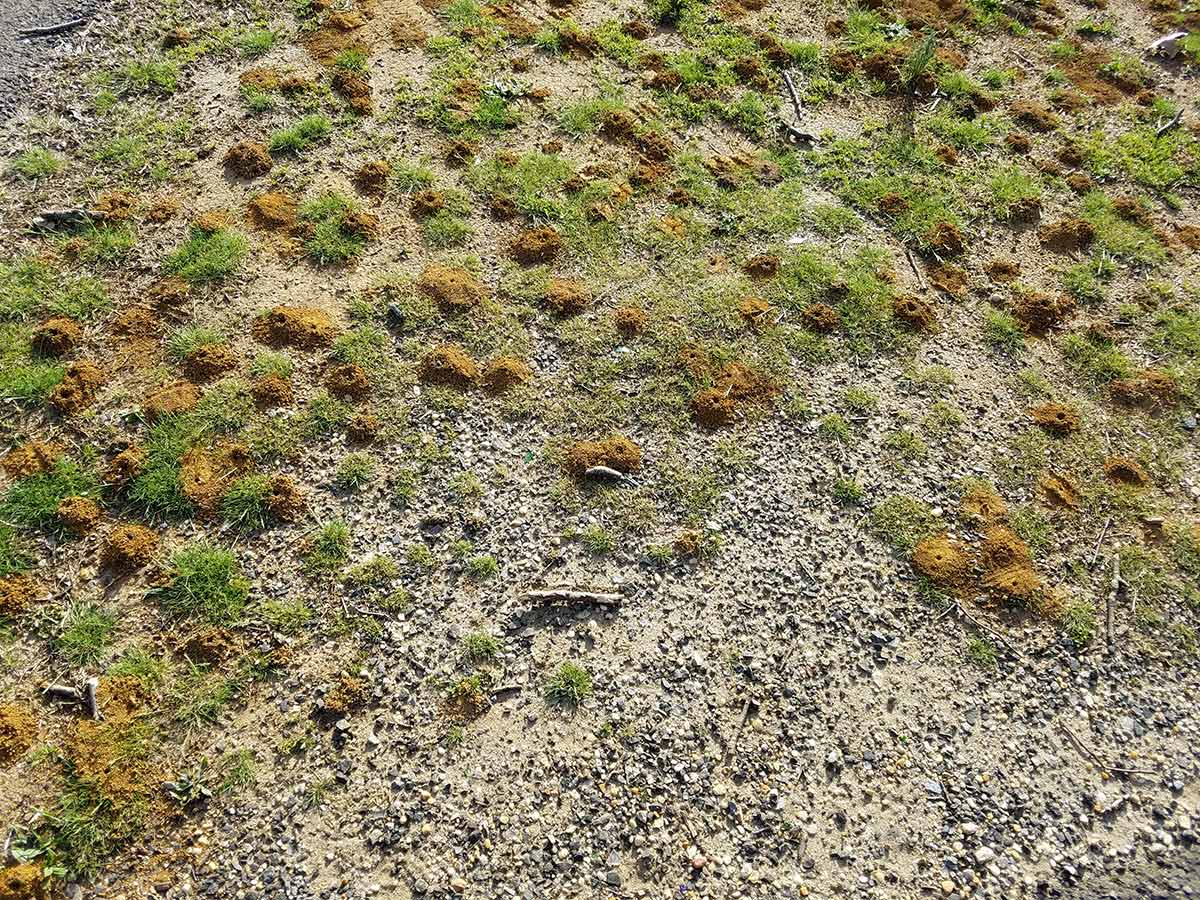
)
(285, 502)
(1122, 470)
(273, 211)
(943, 560)
(449, 365)
(1066, 235)
(128, 548)
(983, 506)
(125, 466)
(271, 391)
(1040, 312)
(452, 288)
(536, 245)
(504, 373)
(616, 452)
(172, 398)
(1056, 418)
(16, 593)
(30, 458)
(56, 336)
(78, 388)
(363, 427)
(1151, 389)
(1059, 490)
(78, 514)
(205, 474)
(348, 380)
(821, 318)
(22, 882)
(209, 361)
(630, 321)
(915, 313)
(248, 159)
(294, 326)
(566, 296)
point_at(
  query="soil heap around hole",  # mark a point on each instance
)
(1149, 390)
(17, 592)
(128, 548)
(452, 288)
(56, 337)
(1056, 418)
(504, 373)
(566, 296)
(943, 560)
(536, 245)
(178, 397)
(272, 391)
(630, 321)
(1123, 470)
(31, 458)
(18, 731)
(78, 388)
(23, 881)
(616, 452)
(248, 159)
(78, 514)
(449, 365)
(294, 326)
(205, 474)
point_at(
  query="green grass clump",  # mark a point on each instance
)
(287, 614)
(205, 583)
(244, 503)
(328, 550)
(903, 521)
(569, 686)
(32, 502)
(256, 41)
(331, 241)
(36, 162)
(301, 135)
(208, 256)
(1160, 163)
(87, 632)
(848, 492)
(481, 647)
(352, 59)
(272, 362)
(534, 183)
(1079, 623)
(1121, 238)
(149, 76)
(14, 557)
(186, 340)
(1009, 188)
(30, 289)
(1095, 358)
(481, 568)
(141, 665)
(355, 471)
(104, 244)
(1002, 330)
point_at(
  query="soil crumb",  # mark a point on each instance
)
(208, 362)
(1123, 470)
(1040, 312)
(248, 159)
(78, 388)
(18, 731)
(78, 514)
(17, 592)
(22, 882)
(31, 458)
(273, 211)
(981, 505)
(1150, 390)
(285, 501)
(1057, 418)
(56, 337)
(449, 365)
(1059, 490)
(943, 560)
(821, 318)
(128, 548)
(452, 288)
(630, 321)
(125, 466)
(566, 296)
(915, 313)
(535, 245)
(1066, 235)
(294, 326)
(372, 178)
(504, 373)
(271, 391)
(205, 473)
(177, 397)
(348, 380)
(616, 452)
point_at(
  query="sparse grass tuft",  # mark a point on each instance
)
(902, 521)
(298, 137)
(355, 471)
(481, 647)
(36, 162)
(205, 583)
(87, 632)
(208, 256)
(569, 686)
(328, 549)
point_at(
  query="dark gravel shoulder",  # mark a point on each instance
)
(21, 58)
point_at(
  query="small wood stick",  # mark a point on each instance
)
(566, 595)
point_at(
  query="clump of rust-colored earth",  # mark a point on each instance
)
(426, 203)
(943, 560)
(1002, 270)
(1041, 312)
(566, 296)
(271, 391)
(452, 288)
(762, 266)
(949, 279)
(167, 293)
(1001, 548)
(821, 318)
(755, 310)
(78, 514)
(56, 337)
(946, 239)
(209, 361)
(205, 473)
(1033, 116)
(713, 408)
(125, 466)
(1126, 471)
(1150, 389)
(273, 211)
(1059, 490)
(356, 90)
(630, 321)
(915, 313)
(285, 501)
(248, 159)
(24, 881)
(294, 326)
(18, 730)
(372, 177)
(78, 388)
(504, 373)
(1057, 418)
(177, 397)
(115, 206)
(615, 452)
(31, 458)
(449, 365)
(1066, 235)
(17, 592)
(361, 223)
(363, 427)
(1016, 583)
(209, 645)
(734, 384)
(535, 245)
(981, 505)
(348, 380)
(128, 548)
